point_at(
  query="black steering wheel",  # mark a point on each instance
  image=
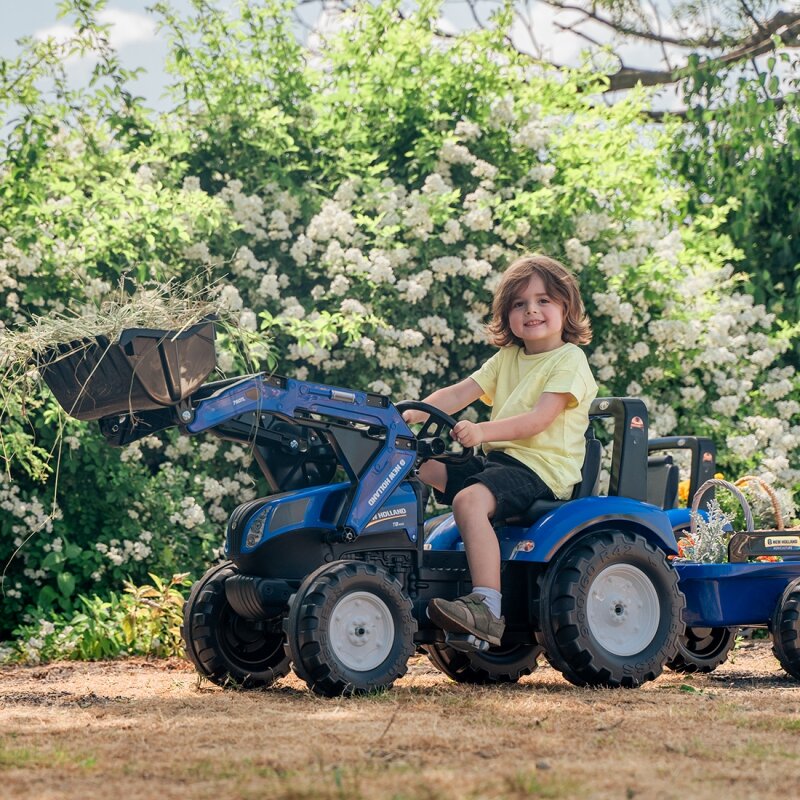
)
(431, 444)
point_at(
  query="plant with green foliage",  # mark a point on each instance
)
(361, 204)
(144, 620)
(741, 140)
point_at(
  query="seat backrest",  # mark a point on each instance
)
(590, 472)
(663, 477)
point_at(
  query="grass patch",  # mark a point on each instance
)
(31, 758)
(531, 783)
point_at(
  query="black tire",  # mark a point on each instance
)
(703, 649)
(785, 628)
(498, 665)
(592, 631)
(350, 629)
(226, 648)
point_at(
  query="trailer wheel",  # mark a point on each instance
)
(611, 611)
(350, 629)
(703, 649)
(785, 628)
(497, 665)
(226, 648)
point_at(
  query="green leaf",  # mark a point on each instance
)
(66, 583)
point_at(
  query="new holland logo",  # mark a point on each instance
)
(782, 541)
(389, 514)
(387, 482)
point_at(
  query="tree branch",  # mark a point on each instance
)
(638, 33)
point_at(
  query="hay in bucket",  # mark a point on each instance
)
(170, 307)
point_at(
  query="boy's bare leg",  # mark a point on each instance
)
(472, 508)
(434, 474)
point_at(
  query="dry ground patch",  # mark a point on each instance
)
(136, 729)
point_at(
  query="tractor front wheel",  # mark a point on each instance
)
(350, 629)
(226, 648)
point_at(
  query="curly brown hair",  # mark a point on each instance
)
(561, 287)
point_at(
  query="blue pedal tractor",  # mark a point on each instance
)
(331, 573)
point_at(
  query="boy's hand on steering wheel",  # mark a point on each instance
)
(468, 434)
(414, 416)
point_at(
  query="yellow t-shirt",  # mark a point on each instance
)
(512, 383)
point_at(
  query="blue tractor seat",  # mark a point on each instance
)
(588, 486)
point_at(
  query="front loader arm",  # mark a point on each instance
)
(303, 401)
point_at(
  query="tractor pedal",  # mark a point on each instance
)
(466, 642)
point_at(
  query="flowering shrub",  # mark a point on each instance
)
(361, 204)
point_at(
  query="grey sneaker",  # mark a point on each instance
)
(467, 615)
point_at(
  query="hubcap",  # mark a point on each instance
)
(361, 631)
(623, 609)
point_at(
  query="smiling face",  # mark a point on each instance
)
(536, 318)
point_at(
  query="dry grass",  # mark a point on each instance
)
(134, 729)
(170, 306)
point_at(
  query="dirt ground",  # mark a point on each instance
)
(136, 729)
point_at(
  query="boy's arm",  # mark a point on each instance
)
(449, 399)
(521, 426)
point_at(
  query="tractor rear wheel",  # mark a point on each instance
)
(504, 664)
(350, 629)
(226, 648)
(611, 611)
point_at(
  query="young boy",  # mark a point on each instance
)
(540, 388)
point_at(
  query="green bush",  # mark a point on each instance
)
(361, 204)
(144, 621)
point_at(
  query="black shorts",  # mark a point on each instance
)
(513, 485)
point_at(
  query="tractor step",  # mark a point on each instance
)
(466, 642)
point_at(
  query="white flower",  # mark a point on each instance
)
(339, 286)
(302, 248)
(229, 298)
(410, 338)
(478, 219)
(435, 184)
(502, 111)
(224, 361)
(577, 253)
(532, 135)
(454, 153)
(198, 252)
(248, 320)
(351, 306)
(332, 222)
(270, 287)
(467, 130)
(380, 387)
(639, 351)
(452, 232)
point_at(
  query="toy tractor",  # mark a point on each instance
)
(331, 574)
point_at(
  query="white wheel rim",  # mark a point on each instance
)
(623, 610)
(361, 631)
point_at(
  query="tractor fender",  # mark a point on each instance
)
(680, 518)
(547, 536)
